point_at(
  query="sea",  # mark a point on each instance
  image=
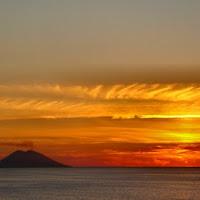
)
(100, 183)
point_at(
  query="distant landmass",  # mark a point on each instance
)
(28, 159)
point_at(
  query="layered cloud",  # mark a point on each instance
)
(105, 141)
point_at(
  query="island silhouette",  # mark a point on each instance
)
(28, 159)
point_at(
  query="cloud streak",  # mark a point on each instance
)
(22, 144)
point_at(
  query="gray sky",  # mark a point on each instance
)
(91, 41)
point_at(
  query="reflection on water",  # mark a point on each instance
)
(100, 183)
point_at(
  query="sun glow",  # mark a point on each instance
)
(169, 116)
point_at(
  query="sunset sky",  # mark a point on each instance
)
(101, 83)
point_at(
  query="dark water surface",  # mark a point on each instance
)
(100, 183)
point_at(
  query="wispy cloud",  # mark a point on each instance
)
(26, 101)
(169, 92)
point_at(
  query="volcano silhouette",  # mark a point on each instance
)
(28, 159)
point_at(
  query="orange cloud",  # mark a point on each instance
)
(57, 101)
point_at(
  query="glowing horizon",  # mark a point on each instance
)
(104, 125)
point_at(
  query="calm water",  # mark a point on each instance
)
(100, 183)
